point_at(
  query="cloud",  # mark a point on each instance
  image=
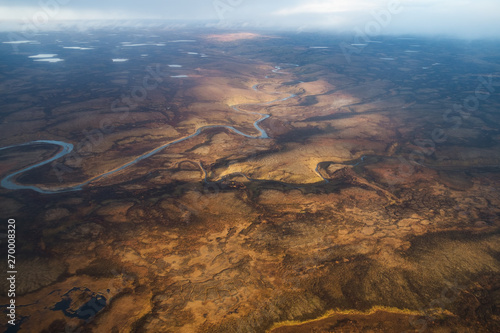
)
(461, 18)
(40, 16)
(109, 9)
(327, 7)
(466, 18)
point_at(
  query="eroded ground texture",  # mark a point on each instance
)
(365, 202)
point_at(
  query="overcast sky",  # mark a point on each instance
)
(467, 18)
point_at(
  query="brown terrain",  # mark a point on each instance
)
(350, 217)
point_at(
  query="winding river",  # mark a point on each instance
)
(8, 181)
(66, 148)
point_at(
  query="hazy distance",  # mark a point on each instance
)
(458, 18)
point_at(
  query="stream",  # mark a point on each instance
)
(8, 181)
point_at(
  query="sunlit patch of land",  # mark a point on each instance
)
(337, 219)
(231, 37)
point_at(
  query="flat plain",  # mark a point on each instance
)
(300, 188)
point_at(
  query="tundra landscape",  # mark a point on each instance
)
(194, 181)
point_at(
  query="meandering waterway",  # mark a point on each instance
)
(66, 148)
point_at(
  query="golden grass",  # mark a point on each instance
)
(372, 311)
